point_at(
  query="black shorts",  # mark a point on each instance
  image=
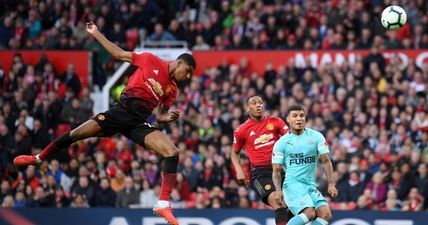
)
(262, 183)
(120, 119)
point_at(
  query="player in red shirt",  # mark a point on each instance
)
(257, 136)
(152, 84)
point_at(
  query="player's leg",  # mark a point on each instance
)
(322, 210)
(153, 139)
(308, 214)
(262, 184)
(88, 129)
(160, 143)
(103, 124)
(282, 214)
(323, 214)
(300, 203)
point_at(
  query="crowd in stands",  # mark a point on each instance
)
(373, 113)
(208, 24)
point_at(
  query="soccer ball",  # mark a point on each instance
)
(393, 17)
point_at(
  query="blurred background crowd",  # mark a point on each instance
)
(207, 24)
(372, 112)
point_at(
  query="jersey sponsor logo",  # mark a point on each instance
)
(156, 72)
(263, 139)
(299, 159)
(270, 126)
(310, 141)
(252, 133)
(101, 117)
(268, 187)
(156, 86)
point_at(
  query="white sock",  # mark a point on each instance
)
(320, 220)
(304, 217)
(163, 204)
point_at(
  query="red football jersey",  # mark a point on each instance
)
(151, 83)
(258, 139)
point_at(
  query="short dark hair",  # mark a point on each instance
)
(188, 59)
(295, 107)
(252, 96)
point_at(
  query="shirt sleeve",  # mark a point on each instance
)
(281, 127)
(140, 59)
(278, 153)
(237, 141)
(322, 146)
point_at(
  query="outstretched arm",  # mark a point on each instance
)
(113, 49)
(328, 168)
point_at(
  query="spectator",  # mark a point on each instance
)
(183, 187)
(161, 35)
(378, 188)
(61, 200)
(354, 187)
(6, 32)
(8, 202)
(128, 196)
(41, 199)
(20, 200)
(392, 203)
(148, 196)
(421, 182)
(5, 190)
(71, 80)
(210, 176)
(79, 201)
(413, 202)
(74, 114)
(201, 202)
(104, 195)
(82, 186)
(200, 44)
(39, 136)
(118, 35)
